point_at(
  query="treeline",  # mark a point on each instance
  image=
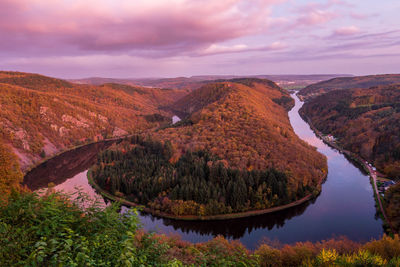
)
(197, 184)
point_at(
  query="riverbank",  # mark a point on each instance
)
(207, 217)
(44, 160)
(361, 162)
(343, 208)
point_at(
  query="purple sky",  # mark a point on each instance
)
(168, 38)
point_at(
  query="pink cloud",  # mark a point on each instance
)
(317, 13)
(312, 6)
(114, 26)
(346, 31)
(315, 17)
(223, 49)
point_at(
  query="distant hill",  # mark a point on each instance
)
(40, 116)
(245, 122)
(365, 121)
(194, 82)
(348, 83)
(100, 81)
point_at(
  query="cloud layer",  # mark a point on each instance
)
(112, 26)
(183, 37)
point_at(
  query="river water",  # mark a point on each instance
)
(344, 207)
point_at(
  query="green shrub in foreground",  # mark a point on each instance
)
(54, 231)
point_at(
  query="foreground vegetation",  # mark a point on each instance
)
(54, 230)
(141, 171)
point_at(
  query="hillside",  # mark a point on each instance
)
(40, 116)
(245, 125)
(362, 82)
(365, 121)
(234, 151)
(242, 123)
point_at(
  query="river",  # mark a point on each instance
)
(345, 206)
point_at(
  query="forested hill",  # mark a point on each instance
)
(365, 121)
(361, 82)
(245, 123)
(234, 151)
(40, 116)
(215, 91)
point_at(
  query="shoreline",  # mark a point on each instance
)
(366, 168)
(59, 153)
(237, 215)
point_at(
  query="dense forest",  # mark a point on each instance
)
(53, 230)
(392, 205)
(365, 121)
(245, 123)
(360, 82)
(197, 184)
(40, 116)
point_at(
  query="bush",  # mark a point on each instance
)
(53, 230)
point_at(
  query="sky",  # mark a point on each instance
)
(171, 38)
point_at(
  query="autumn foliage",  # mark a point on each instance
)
(245, 122)
(365, 121)
(10, 174)
(197, 184)
(40, 116)
(360, 82)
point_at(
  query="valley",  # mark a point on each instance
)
(41, 116)
(346, 193)
(364, 122)
(233, 152)
(200, 133)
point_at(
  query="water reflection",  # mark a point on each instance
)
(345, 207)
(237, 227)
(57, 170)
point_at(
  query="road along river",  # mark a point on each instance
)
(345, 206)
